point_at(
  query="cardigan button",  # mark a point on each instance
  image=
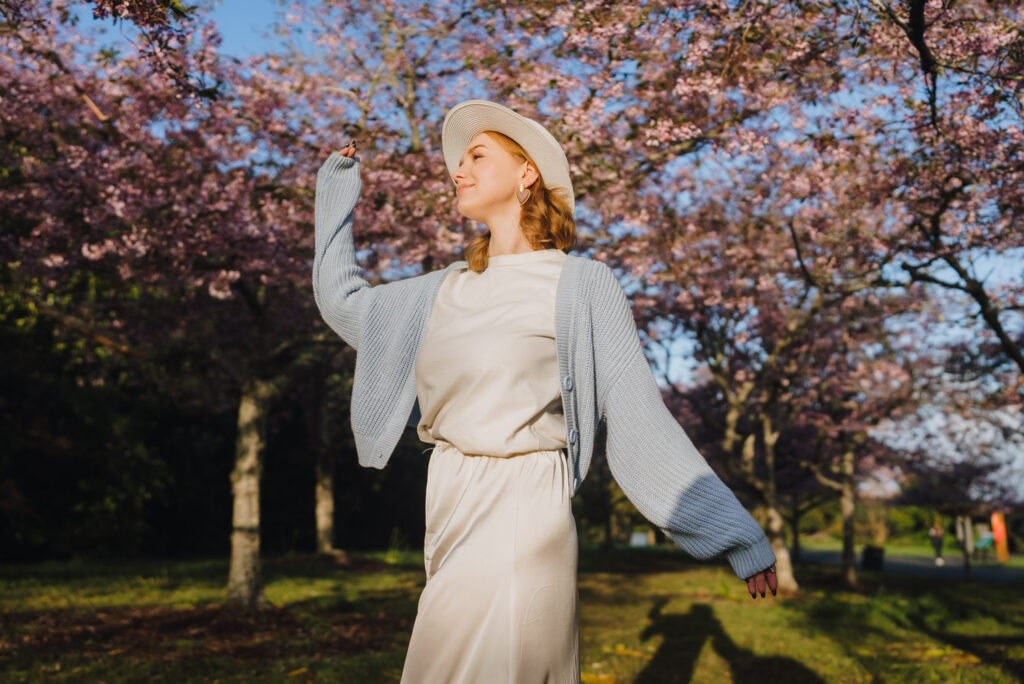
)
(572, 435)
(567, 382)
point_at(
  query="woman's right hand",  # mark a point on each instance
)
(349, 150)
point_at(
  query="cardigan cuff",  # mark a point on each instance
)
(336, 161)
(750, 560)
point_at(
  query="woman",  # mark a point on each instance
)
(507, 362)
(936, 533)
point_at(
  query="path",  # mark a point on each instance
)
(985, 571)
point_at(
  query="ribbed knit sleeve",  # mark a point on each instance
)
(651, 457)
(340, 291)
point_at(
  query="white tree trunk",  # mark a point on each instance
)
(848, 507)
(325, 503)
(783, 564)
(245, 582)
(318, 426)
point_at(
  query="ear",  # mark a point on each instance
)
(528, 176)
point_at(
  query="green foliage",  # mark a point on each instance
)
(911, 522)
(80, 473)
(906, 524)
(818, 519)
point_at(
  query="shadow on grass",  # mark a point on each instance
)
(684, 638)
(307, 630)
(102, 572)
(975, 623)
(192, 571)
(637, 560)
(169, 633)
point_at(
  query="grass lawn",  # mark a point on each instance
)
(648, 615)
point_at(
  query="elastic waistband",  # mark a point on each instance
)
(448, 446)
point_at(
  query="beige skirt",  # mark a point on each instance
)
(500, 551)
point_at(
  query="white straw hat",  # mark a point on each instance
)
(467, 119)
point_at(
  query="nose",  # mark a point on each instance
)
(458, 176)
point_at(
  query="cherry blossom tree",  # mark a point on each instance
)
(163, 38)
(955, 150)
(145, 219)
(807, 124)
(777, 182)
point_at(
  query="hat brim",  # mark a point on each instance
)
(466, 120)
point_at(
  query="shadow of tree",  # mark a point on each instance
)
(173, 632)
(906, 608)
(685, 636)
(989, 648)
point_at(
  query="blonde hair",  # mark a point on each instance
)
(546, 219)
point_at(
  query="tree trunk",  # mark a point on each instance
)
(794, 523)
(603, 506)
(965, 540)
(608, 508)
(325, 504)
(776, 530)
(245, 582)
(848, 506)
(783, 565)
(318, 426)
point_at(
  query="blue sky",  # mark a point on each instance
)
(242, 24)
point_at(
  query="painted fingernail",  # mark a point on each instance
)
(773, 592)
(762, 594)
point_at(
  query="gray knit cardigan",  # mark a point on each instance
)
(604, 377)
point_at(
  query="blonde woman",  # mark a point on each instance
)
(506, 362)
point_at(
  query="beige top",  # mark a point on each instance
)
(487, 371)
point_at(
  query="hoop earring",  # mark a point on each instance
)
(522, 195)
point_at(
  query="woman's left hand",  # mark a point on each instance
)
(756, 583)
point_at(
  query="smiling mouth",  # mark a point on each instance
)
(461, 188)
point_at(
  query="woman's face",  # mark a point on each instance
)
(488, 178)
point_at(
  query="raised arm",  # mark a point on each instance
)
(340, 291)
(652, 458)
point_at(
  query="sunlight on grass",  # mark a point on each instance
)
(647, 616)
